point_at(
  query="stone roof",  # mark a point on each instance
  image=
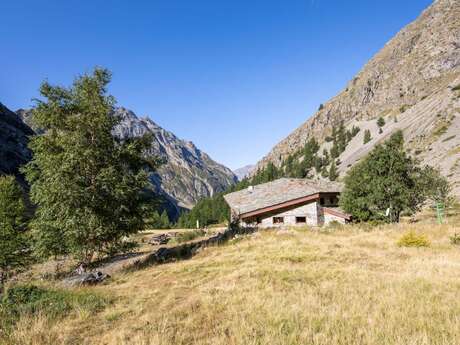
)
(277, 192)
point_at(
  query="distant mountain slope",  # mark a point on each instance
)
(189, 174)
(243, 172)
(13, 142)
(414, 80)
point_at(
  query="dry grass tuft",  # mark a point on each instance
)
(351, 285)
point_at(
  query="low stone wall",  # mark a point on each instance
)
(187, 250)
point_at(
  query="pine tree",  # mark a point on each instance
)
(380, 122)
(85, 182)
(14, 250)
(333, 174)
(367, 136)
(164, 220)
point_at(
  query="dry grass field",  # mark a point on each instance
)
(349, 285)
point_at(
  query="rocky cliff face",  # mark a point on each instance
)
(413, 83)
(243, 172)
(188, 174)
(14, 135)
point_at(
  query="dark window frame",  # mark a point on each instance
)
(301, 220)
(278, 220)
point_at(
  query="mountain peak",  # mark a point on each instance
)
(411, 79)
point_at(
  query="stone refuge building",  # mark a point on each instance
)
(287, 201)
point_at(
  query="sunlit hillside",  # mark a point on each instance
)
(346, 285)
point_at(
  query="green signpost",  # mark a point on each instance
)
(440, 212)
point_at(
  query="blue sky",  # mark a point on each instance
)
(235, 77)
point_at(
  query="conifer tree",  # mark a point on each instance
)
(380, 122)
(333, 174)
(14, 247)
(164, 220)
(367, 136)
(85, 182)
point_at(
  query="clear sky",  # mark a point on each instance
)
(235, 77)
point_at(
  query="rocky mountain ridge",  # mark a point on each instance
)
(14, 137)
(243, 172)
(413, 83)
(188, 174)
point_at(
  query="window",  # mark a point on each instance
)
(321, 201)
(332, 201)
(278, 220)
(259, 220)
(299, 220)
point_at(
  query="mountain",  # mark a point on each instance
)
(413, 83)
(189, 174)
(14, 135)
(243, 172)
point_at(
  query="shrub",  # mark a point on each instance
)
(455, 239)
(188, 236)
(412, 239)
(31, 300)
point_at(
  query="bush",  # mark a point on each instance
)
(31, 300)
(412, 239)
(188, 236)
(455, 239)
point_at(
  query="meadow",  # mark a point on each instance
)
(340, 285)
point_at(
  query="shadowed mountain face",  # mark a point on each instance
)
(188, 174)
(14, 135)
(413, 83)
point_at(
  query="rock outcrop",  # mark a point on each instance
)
(188, 173)
(413, 83)
(243, 172)
(14, 137)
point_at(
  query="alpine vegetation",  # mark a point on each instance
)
(85, 182)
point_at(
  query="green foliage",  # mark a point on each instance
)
(86, 183)
(380, 122)
(31, 300)
(14, 250)
(412, 239)
(386, 179)
(333, 174)
(187, 236)
(367, 136)
(352, 133)
(207, 211)
(434, 186)
(157, 221)
(455, 239)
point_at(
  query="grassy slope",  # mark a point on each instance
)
(298, 287)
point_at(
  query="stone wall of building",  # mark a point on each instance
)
(331, 218)
(309, 211)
